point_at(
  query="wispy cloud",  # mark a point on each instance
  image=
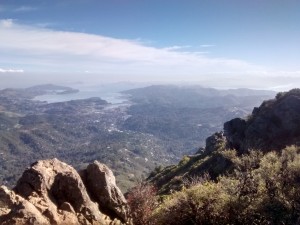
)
(177, 47)
(6, 23)
(25, 9)
(18, 9)
(39, 49)
(11, 70)
(207, 46)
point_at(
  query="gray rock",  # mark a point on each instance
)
(101, 185)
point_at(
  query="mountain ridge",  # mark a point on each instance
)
(231, 180)
(255, 132)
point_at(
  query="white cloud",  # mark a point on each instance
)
(6, 23)
(207, 46)
(289, 73)
(11, 70)
(45, 50)
(177, 47)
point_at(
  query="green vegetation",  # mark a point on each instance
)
(211, 163)
(225, 183)
(260, 189)
(233, 182)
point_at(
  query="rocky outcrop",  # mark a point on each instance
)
(52, 192)
(271, 126)
(104, 190)
(235, 135)
(214, 142)
(17, 210)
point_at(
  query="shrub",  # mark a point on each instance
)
(142, 201)
(262, 189)
(202, 204)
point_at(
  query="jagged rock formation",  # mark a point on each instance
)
(271, 126)
(52, 192)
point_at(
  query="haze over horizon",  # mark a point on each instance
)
(218, 43)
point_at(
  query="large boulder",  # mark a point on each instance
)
(53, 192)
(104, 190)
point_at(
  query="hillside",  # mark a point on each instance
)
(132, 138)
(247, 175)
(271, 126)
(217, 185)
(185, 115)
(77, 131)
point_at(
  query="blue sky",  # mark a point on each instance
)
(234, 43)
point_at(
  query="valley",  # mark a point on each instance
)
(156, 126)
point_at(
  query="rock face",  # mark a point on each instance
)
(17, 210)
(52, 192)
(214, 142)
(271, 126)
(105, 191)
(235, 132)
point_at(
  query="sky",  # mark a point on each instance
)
(218, 43)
